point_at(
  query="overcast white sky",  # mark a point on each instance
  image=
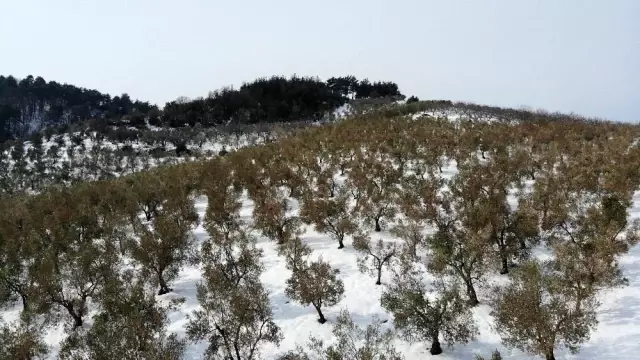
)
(568, 55)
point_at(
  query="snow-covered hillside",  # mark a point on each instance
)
(616, 337)
(88, 156)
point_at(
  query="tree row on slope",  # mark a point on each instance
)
(113, 244)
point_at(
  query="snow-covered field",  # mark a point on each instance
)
(616, 337)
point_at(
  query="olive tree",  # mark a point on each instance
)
(536, 313)
(330, 216)
(315, 284)
(373, 255)
(412, 232)
(78, 254)
(352, 342)
(166, 243)
(235, 316)
(16, 252)
(376, 183)
(130, 325)
(22, 341)
(420, 317)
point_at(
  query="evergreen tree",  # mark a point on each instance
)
(412, 99)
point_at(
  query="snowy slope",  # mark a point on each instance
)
(617, 335)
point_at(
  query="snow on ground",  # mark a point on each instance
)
(616, 337)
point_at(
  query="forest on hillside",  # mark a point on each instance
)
(32, 104)
(110, 252)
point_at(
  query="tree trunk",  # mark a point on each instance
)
(523, 244)
(164, 289)
(77, 321)
(502, 249)
(435, 346)
(281, 238)
(471, 292)
(321, 318)
(77, 316)
(549, 355)
(25, 302)
(378, 227)
(378, 282)
(340, 242)
(505, 263)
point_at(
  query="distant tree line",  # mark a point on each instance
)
(32, 104)
(275, 99)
